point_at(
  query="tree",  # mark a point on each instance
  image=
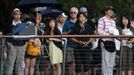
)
(95, 6)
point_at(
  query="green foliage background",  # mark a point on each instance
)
(94, 7)
(121, 7)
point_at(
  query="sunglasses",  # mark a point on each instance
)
(85, 12)
(73, 12)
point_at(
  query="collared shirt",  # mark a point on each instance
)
(15, 31)
(104, 25)
(60, 27)
(72, 21)
(69, 24)
(15, 23)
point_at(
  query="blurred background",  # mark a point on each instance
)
(94, 7)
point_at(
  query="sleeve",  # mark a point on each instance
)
(17, 29)
(65, 27)
(90, 29)
(73, 31)
(100, 28)
(37, 42)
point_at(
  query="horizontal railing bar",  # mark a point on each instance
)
(99, 36)
(67, 36)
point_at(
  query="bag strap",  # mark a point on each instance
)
(104, 23)
(46, 50)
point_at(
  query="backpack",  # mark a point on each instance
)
(32, 50)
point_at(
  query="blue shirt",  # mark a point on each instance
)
(69, 24)
(18, 28)
(15, 30)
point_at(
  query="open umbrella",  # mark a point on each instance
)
(51, 12)
(48, 11)
(37, 3)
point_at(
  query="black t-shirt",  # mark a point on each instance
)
(58, 43)
(77, 30)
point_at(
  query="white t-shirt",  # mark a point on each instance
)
(126, 31)
(61, 28)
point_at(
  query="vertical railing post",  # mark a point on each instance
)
(2, 42)
(64, 58)
(120, 60)
(0, 56)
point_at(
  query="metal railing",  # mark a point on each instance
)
(64, 36)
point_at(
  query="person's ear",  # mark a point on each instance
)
(105, 12)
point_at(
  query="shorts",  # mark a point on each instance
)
(29, 56)
(82, 57)
(69, 54)
(44, 63)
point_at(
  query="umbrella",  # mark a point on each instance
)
(48, 11)
(37, 3)
(51, 12)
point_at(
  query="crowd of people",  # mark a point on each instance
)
(78, 58)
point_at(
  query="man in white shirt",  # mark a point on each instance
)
(104, 25)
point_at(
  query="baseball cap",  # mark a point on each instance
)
(16, 10)
(83, 9)
(63, 14)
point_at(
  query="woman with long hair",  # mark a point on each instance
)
(56, 56)
(30, 61)
(82, 50)
(127, 47)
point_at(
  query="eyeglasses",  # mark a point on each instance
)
(73, 12)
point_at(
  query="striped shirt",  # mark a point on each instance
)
(104, 25)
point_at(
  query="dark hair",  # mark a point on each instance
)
(106, 8)
(35, 13)
(82, 14)
(25, 18)
(48, 28)
(109, 8)
(78, 21)
(122, 26)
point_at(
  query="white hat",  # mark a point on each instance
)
(63, 14)
(83, 9)
(16, 9)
